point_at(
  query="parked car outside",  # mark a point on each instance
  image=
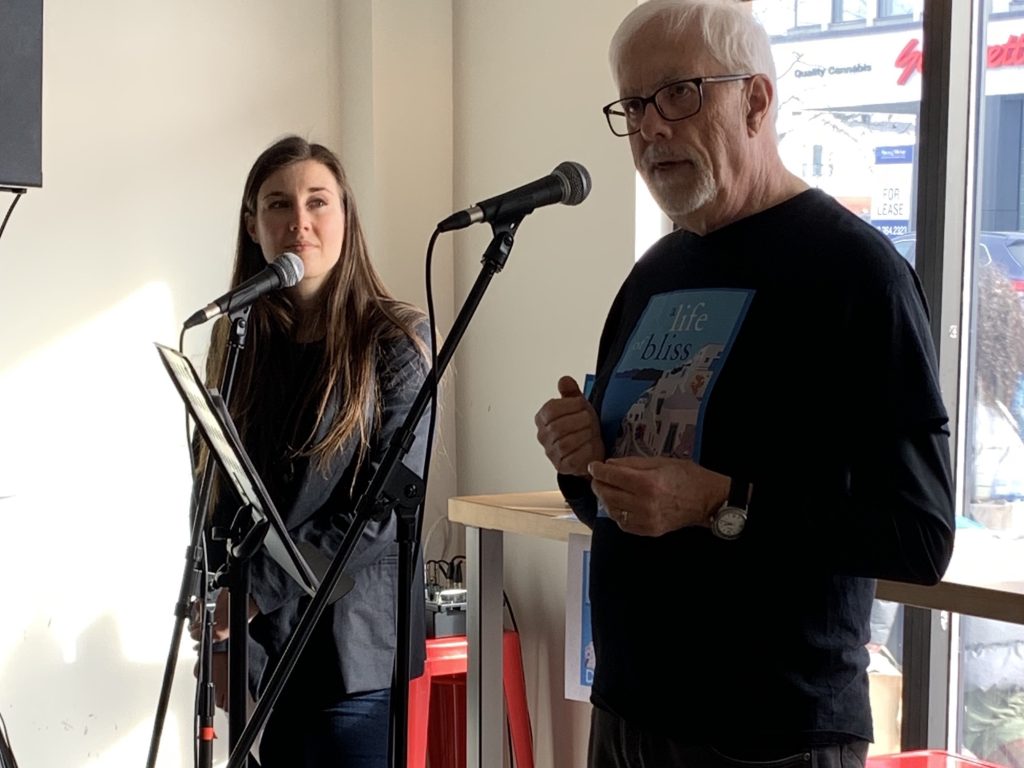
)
(1005, 250)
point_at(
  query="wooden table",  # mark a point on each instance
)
(545, 514)
(487, 519)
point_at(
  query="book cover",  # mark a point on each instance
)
(655, 399)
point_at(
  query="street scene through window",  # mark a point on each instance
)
(849, 94)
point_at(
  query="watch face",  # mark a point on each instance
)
(729, 522)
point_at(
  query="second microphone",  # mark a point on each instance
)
(569, 183)
(283, 272)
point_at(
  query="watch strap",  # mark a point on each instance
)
(739, 493)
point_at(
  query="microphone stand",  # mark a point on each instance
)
(392, 488)
(206, 706)
(194, 556)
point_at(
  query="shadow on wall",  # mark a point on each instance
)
(70, 714)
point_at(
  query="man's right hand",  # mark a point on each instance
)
(569, 430)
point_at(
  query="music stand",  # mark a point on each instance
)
(303, 562)
(219, 431)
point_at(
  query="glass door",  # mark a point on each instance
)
(849, 93)
(987, 687)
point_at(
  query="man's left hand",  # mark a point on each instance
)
(652, 496)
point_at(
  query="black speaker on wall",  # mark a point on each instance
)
(21, 93)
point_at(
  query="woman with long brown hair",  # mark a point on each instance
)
(329, 371)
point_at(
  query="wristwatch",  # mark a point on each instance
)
(730, 519)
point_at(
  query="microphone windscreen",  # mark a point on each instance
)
(575, 180)
(289, 268)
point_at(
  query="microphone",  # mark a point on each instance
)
(569, 183)
(283, 272)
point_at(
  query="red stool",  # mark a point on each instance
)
(444, 677)
(925, 758)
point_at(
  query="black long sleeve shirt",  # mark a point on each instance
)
(824, 395)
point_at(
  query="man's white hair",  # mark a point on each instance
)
(731, 34)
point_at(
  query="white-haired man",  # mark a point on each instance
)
(765, 435)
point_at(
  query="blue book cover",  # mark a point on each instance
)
(654, 402)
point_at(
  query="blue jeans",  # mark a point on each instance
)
(614, 743)
(351, 733)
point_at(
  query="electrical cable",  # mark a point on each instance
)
(432, 379)
(511, 613)
(430, 532)
(17, 196)
(440, 565)
(515, 628)
(455, 567)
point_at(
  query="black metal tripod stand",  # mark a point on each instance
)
(393, 489)
(194, 563)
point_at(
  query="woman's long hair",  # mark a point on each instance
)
(357, 313)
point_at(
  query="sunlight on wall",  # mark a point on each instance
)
(126, 752)
(92, 536)
(651, 223)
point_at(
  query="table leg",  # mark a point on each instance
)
(484, 632)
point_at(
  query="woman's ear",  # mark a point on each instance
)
(250, 227)
(759, 103)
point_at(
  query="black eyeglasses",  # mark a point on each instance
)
(675, 101)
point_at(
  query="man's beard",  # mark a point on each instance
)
(677, 200)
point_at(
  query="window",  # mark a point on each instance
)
(848, 126)
(848, 123)
(847, 119)
(849, 10)
(887, 8)
(811, 13)
(988, 694)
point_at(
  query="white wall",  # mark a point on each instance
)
(153, 113)
(530, 80)
(396, 114)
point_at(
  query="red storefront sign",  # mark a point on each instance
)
(1008, 54)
